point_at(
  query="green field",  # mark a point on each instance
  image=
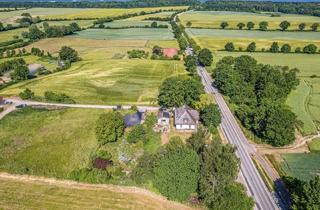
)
(305, 100)
(301, 166)
(35, 195)
(127, 34)
(213, 19)
(30, 141)
(8, 35)
(81, 23)
(106, 81)
(216, 39)
(314, 145)
(161, 14)
(132, 23)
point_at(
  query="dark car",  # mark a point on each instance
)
(21, 106)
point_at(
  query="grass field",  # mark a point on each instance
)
(161, 14)
(132, 23)
(81, 23)
(216, 39)
(8, 35)
(314, 145)
(31, 144)
(106, 81)
(16, 194)
(305, 100)
(127, 34)
(302, 166)
(213, 19)
(71, 13)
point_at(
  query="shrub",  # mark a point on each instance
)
(138, 133)
(251, 47)
(286, 48)
(94, 175)
(138, 54)
(310, 49)
(229, 46)
(67, 53)
(26, 94)
(56, 97)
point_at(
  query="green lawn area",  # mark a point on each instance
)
(127, 34)
(16, 194)
(301, 166)
(106, 81)
(213, 19)
(314, 145)
(305, 100)
(47, 143)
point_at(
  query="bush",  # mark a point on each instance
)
(95, 176)
(138, 133)
(138, 54)
(229, 46)
(26, 94)
(286, 48)
(310, 49)
(103, 154)
(59, 98)
(67, 53)
(109, 127)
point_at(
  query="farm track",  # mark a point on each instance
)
(83, 186)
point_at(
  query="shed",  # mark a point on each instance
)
(163, 117)
(33, 68)
(169, 52)
(134, 119)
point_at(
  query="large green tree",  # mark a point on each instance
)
(109, 127)
(210, 116)
(205, 57)
(250, 25)
(284, 25)
(176, 173)
(68, 53)
(263, 26)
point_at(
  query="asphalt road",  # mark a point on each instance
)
(264, 199)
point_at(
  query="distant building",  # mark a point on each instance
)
(1, 100)
(186, 118)
(163, 117)
(134, 119)
(169, 52)
(34, 68)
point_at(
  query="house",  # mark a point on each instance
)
(34, 68)
(134, 119)
(169, 52)
(163, 117)
(186, 118)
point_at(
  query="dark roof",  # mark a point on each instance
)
(163, 114)
(133, 119)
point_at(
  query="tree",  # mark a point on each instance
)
(192, 89)
(26, 94)
(154, 24)
(191, 63)
(109, 127)
(1, 26)
(205, 57)
(308, 198)
(310, 49)
(138, 133)
(263, 26)
(75, 27)
(297, 50)
(210, 116)
(250, 25)
(35, 33)
(251, 47)
(274, 47)
(189, 24)
(20, 72)
(67, 53)
(157, 50)
(302, 26)
(241, 25)
(224, 24)
(198, 140)
(176, 173)
(286, 48)
(171, 93)
(314, 26)
(205, 99)
(284, 25)
(229, 47)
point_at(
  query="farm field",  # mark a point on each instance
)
(161, 14)
(31, 144)
(306, 107)
(213, 19)
(37, 194)
(127, 34)
(132, 23)
(72, 13)
(8, 35)
(216, 39)
(81, 23)
(301, 166)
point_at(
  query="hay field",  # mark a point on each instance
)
(161, 14)
(40, 194)
(305, 100)
(81, 23)
(213, 19)
(127, 34)
(216, 39)
(133, 23)
(8, 35)
(31, 144)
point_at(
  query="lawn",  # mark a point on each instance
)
(16, 194)
(216, 39)
(106, 81)
(47, 143)
(301, 166)
(305, 100)
(127, 34)
(213, 19)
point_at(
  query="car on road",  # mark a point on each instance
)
(20, 106)
(7, 102)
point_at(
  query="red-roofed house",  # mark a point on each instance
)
(169, 52)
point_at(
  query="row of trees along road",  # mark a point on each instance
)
(263, 25)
